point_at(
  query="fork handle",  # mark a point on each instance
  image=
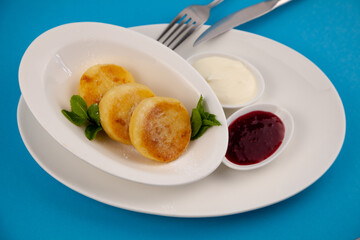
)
(214, 3)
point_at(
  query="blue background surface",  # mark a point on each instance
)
(33, 205)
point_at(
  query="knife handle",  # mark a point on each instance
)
(281, 2)
(214, 3)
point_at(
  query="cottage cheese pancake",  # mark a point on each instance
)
(98, 79)
(117, 106)
(160, 128)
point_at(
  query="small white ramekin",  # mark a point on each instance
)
(284, 116)
(258, 76)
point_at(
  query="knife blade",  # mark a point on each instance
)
(238, 18)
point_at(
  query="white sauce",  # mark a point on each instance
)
(231, 80)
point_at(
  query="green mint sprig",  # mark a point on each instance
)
(81, 115)
(201, 120)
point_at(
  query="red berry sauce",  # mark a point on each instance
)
(253, 137)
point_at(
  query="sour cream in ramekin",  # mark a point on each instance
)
(235, 82)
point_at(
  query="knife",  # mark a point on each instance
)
(238, 18)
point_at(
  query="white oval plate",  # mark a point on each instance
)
(49, 75)
(294, 82)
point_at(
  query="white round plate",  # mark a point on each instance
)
(292, 82)
(49, 75)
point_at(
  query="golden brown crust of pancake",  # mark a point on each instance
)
(160, 128)
(116, 108)
(98, 79)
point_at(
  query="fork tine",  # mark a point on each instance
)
(190, 18)
(193, 28)
(186, 27)
(171, 24)
(182, 23)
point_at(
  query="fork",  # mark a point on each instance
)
(191, 18)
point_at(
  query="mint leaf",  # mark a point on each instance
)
(80, 115)
(206, 122)
(74, 118)
(79, 106)
(91, 131)
(93, 113)
(200, 102)
(212, 118)
(200, 107)
(200, 132)
(206, 115)
(195, 121)
(201, 120)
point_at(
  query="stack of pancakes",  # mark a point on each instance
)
(130, 113)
